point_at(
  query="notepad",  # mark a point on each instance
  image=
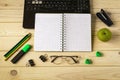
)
(62, 32)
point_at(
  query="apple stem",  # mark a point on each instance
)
(104, 33)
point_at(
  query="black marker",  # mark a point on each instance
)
(21, 53)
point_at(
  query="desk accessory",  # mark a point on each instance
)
(62, 32)
(99, 54)
(24, 50)
(31, 7)
(70, 59)
(17, 46)
(31, 62)
(102, 15)
(44, 58)
(88, 61)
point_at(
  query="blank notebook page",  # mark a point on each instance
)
(78, 32)
(62, 32)
(47, 32)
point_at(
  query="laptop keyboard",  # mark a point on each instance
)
(52, 6)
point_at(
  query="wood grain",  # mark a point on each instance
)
(103, 68)
(61, 73)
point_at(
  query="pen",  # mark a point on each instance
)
(21, 53)
(17, 46)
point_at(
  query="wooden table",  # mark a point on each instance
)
(103, 68)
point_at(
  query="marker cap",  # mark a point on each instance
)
(26, 48)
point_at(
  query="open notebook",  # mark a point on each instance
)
(62, 32)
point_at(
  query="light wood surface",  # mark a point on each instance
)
(103, 68)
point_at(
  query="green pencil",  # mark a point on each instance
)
(17, 46)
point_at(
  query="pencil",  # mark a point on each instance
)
(17, 46)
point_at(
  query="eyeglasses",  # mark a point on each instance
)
(61, 59)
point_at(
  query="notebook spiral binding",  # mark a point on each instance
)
(63, 33)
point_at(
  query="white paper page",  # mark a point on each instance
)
(78, 32)
(47, 32)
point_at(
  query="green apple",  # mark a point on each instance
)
(104, 34)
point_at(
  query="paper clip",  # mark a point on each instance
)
(104, 18)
